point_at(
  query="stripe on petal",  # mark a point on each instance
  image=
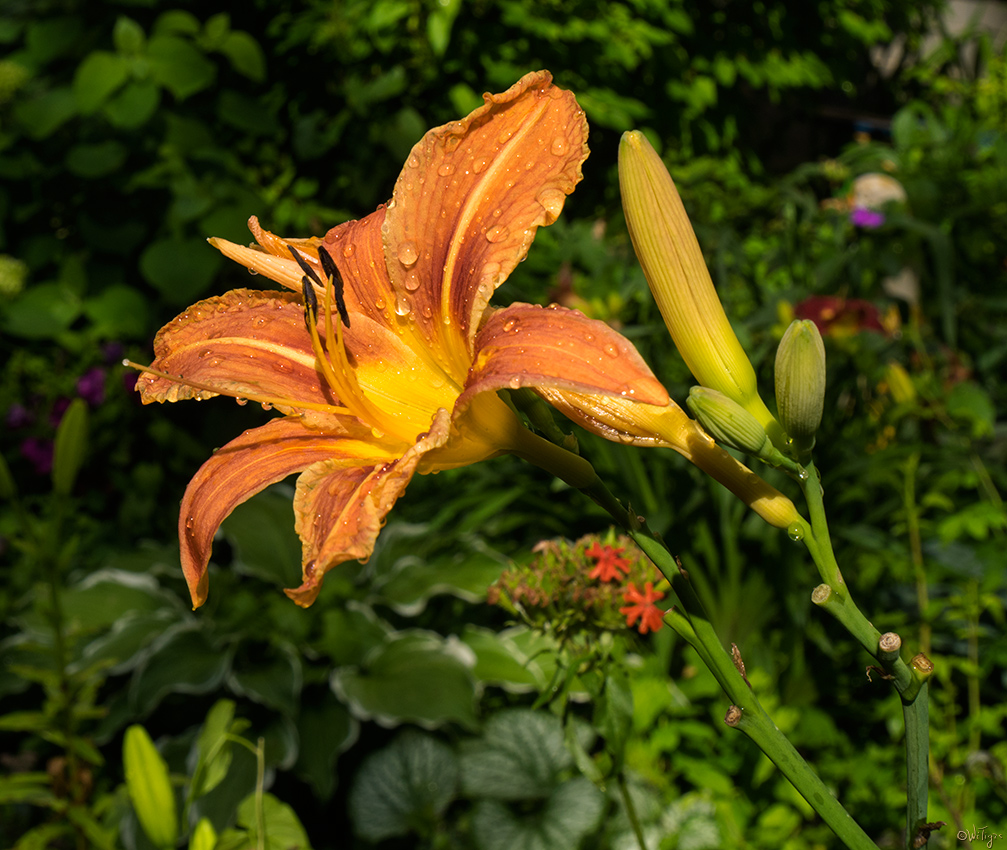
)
(525, 345)
(258, 458)
(340, 507)
(245, 343)
(470, 198)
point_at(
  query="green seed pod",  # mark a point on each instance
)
(728, 422)
(70, 447)
(800, 383)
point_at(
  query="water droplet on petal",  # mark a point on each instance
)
(612, 350)
(413, 162)
(266, 405)
(445, 169)
(509, 325)
(412, 281)
(204, 353)
(348, 250)
(380, 303)
(559, 146)
(242, 401)
(190, 522)
(253, 272)
(515, 382)
(479, 165)
(401, 306)
(407, 254)
(497, 234)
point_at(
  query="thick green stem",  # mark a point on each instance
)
(694, 625)
(917, 718)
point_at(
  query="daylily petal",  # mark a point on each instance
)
(242, 343)
(340, 506)
(524, 345)
(468, 203)
(639, 424)
(258, 458)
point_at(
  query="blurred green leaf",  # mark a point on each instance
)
(519, 757)
(96, 160)
(128, 36)
(325, 731)
(971, 402)
(180, 269)
(150, 788)
(273, 681)
(416, 676)
(182, 660)
(134, 105)
(245, 55)
(282, 828)
(70, 447)
(404, 788)
(97, 78)
(178, 66)
(119, 312)
(46, 113)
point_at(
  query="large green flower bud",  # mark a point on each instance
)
(800, 383)
(728, 422)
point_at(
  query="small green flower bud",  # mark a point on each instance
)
(728, 422)
(800, 383)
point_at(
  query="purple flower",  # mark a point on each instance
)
(91, 386)
(38, 452)
(866, 218)
(18, 416)
(112, 352)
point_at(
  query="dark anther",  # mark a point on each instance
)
(331, 271)
(310, 272)
(310, 300)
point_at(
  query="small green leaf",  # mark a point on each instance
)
(203, 837)
(45, 114)
(178, 66)
(97, 78)
(403, 788)
(134, 104)
(245, 55)
(149, 787)
(180, 269)
(119, 312)
(282, 829)
(214, 749)
(70, 447)
(96, 160)
(128, 36)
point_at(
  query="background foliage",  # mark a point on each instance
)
(129, 132)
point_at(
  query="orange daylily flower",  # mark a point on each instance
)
(386, 357)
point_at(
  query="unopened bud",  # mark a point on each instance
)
(728, 422)
(800, 383)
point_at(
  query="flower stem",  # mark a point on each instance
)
(694, 625)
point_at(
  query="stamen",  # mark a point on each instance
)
(305, 266)
(310, 301)
(331, 271)
(270, 400)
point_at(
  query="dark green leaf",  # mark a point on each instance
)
(178, 66)
(97, 78)
(95, 160)
(70, 448)
(180, 269)
(134, 104)
(245, 55)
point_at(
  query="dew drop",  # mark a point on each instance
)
(412, 281)
(377, 433)
(612, 350)
(559, 146)
(509, 325)
(795, 531)
(515, 382)
(445, 169)
(348, 250)
(407, 254)
(414, 161)
(242, 401)
(380, 303)
(253, 272)
(497, 234)
(479, 165)
(190, 522)
(266, 405)
(401, 306)
(804, 475)
(204, 353)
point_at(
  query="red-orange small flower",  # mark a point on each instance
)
(608, 562)
(643, 608)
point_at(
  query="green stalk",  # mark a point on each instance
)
(834, 597)
(747, 714)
